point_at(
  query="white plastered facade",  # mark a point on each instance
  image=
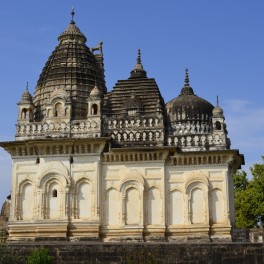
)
(149, 195)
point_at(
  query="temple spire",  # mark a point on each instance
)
(72, 14)
(138, 70)
(27, 86)
(139, 57)
(217, 100)
(187, 80)
(187, 89)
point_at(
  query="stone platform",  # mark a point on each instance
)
(147, 253)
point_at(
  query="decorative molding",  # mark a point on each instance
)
(54, 167)
(196, 176)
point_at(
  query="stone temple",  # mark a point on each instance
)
(120, 165)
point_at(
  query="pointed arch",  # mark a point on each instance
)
(84, 198)
(26, 203)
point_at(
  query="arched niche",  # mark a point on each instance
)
(53, 195)
(131, 187)
(84, 192)
(94, 109)
(58, 109)
(217, 125)
(132, 206)
(26, 204)
(54, 168)
(197, 203)
(54, 177)
(24, 114)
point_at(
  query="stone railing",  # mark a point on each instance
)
(38, 130)
(201, 142)
(135, 122)
(154, 136)
(190, 128)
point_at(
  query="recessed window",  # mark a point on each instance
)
(58, 111)
(94, 109)
(54, 193)
(217, 125)
(24, 114)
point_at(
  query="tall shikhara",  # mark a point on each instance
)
(120, 165)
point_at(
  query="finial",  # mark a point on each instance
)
(187, 80)
(72, 13)
(139, 57)
(27, 86)
(217, 100)
(138, 70)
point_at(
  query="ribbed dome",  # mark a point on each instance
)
(188, 106)
(26, 97)
(218, 111)
(73, 67)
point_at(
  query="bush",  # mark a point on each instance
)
(40, 256)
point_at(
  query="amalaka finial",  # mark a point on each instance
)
(138, 70)
(72, 13)
(187, 80)
(139, 57)
(217, 100)
(27, 86)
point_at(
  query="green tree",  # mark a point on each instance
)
(249, 196)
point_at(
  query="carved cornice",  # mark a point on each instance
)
(204, 158)
(56, 146)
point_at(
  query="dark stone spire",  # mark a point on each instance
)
(187, 80)
(187, 90)
(138, 71)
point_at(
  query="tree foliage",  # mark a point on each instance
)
(249, 197)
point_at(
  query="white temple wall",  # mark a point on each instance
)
(137, 194)
(203, 192)
(120, 195)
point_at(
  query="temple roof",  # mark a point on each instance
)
(188, 106)
(138, 90)
(72, 67)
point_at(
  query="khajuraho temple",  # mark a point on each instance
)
(119, 165)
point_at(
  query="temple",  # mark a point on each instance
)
(120, 165)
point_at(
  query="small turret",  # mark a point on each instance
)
(26, 108)
(94, 115)
(219, 132)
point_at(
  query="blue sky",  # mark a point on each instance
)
(221, 42)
